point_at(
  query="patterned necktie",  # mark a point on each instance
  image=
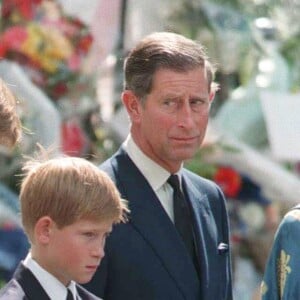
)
(69, 295)
(182, 217)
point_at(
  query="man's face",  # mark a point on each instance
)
(75, 251)
(171, 123)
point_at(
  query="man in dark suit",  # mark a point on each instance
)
(175, 245)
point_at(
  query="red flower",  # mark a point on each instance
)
(13, 38)
(74, 140)
(85, 43)
(58, 90)
(3, 49)
(25, 7)
(229, 180)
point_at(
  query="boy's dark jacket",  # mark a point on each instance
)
(25, 286)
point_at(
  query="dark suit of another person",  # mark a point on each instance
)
(146, 258)
(25, 286)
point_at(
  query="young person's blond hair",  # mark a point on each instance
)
(68, 189)
(10, 126)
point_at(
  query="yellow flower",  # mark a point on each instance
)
(47, 46)
(58, 46)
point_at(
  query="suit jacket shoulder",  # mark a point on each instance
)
(211, 193)
(24, 286)
(12, 291)
(205, 185)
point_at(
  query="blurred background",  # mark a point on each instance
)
(63, 61)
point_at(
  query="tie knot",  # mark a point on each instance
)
(173, 180)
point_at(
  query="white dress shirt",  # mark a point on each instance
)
(154, 174)
(53, 287)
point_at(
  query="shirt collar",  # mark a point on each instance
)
(72, 288)
(53, 287)
(153, 172)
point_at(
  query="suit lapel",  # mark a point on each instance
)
(31, 286)
(204, 229)
(152, 222)
(84, 294)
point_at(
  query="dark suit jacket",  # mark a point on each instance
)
(25, 286)
(146, 258)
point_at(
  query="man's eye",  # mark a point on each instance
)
(197, 102)
(169, 102)
(170, 105)
(199, 105)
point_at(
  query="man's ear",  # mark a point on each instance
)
(132, 105)
(42, 230)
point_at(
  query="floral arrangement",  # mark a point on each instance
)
(48, 44)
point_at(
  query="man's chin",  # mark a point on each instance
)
(183, 156)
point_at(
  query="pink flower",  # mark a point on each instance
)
(13, 38)
(74, 62)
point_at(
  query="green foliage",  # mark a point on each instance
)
(291, 51)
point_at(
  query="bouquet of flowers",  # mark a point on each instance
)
(48, 44)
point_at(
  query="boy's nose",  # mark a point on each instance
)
(101, 252)
(98, 251)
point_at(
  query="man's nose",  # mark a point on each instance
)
(185, 115)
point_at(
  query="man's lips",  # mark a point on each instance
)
(185, 139)
(92, 267)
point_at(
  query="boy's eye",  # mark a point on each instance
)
(89, 234)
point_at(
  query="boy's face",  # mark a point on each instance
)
(75, 251)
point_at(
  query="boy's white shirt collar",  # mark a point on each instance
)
(53, 287)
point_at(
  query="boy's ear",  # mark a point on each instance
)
(42, 230)
(132, 105)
